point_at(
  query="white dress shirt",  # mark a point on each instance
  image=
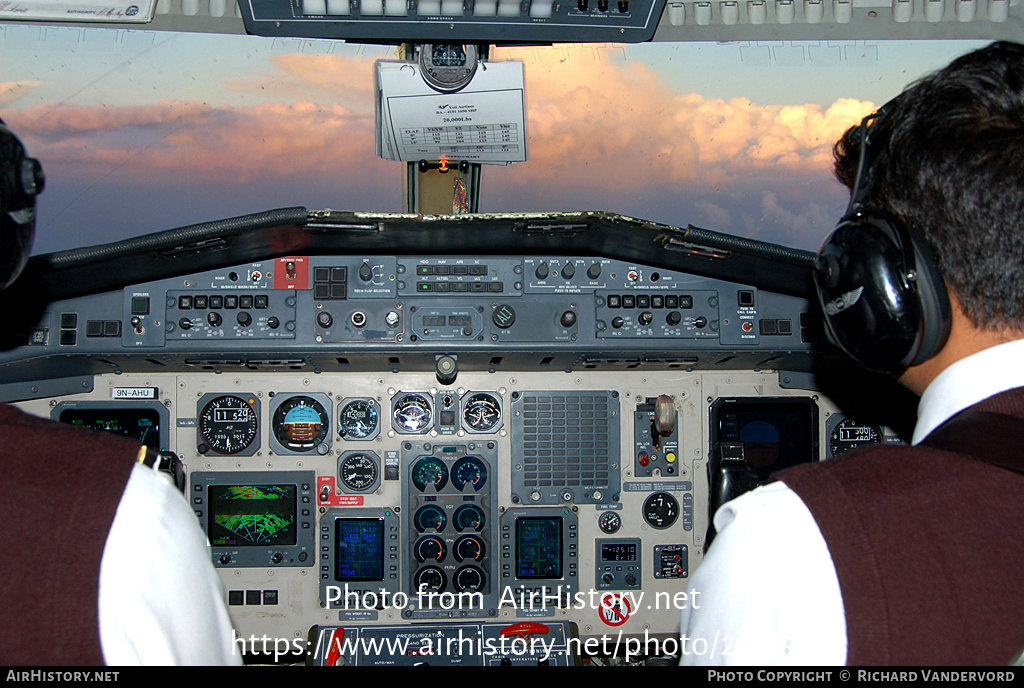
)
(769, 594)
(160, 599)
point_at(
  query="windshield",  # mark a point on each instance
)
(141, 131)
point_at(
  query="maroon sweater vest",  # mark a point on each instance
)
(61, 488)
(928, 546)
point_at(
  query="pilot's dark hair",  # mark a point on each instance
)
(950, 162)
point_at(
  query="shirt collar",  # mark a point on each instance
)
(967, 382)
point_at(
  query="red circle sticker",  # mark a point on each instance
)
(615, 609)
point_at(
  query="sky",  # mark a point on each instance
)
(145, 131)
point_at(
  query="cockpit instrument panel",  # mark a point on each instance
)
(437, 442)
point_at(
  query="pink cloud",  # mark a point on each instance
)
(605, 116)
(345, 79)
(265, 142)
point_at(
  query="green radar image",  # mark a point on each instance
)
(252, 515)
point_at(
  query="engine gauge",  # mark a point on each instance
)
(412, 413)
(430, 547)
(661, 510)
(431, 518)
(609, 522)
(431, 471)
(430, 579)
(469, 517)
(301, 424)
(471, 471)
(228, 425)
(849, 433)
(481, 412)
(469, 578)
(359, 419)
(358, 471)
(469, 547)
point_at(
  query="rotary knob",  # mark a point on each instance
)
(504, 316)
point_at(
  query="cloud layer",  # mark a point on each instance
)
(602, 130)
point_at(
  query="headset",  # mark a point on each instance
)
(21, 180)
(884, 300)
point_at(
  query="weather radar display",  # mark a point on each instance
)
(248, 515)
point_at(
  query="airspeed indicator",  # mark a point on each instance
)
(358, 471)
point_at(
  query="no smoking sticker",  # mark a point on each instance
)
(615, 609)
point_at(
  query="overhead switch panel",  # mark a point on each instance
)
(493, 21)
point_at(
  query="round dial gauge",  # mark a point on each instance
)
(301, 424)
(850, 434)
(609, 522)
(661, 510)
(431, 547)
(430, 579)
(469, 578)
(471, 471)
(412, 413)
(481, 412)
(469, 517)
(430, 470)
(228, 424)
(358, 471)
(469, 547)
(448, 67)
(430, 518)
(358, 420)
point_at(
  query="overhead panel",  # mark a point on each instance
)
(478, 21)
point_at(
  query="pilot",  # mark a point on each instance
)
(903, 554)
(104, 561)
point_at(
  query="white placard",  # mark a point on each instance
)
(133, 393)
(137, 12)
(485, 122)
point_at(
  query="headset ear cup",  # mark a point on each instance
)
(884, 302)
(21, 179)
(932, 296)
